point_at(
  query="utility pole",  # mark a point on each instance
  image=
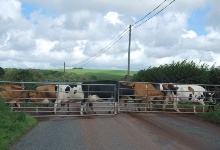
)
(64, 72)
(129, 45)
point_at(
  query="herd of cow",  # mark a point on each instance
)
(117, 92)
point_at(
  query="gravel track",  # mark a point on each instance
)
(139, 131)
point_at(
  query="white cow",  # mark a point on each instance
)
(187, 93)
(69, 93)
(72, 93)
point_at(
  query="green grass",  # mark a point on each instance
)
(102, 74)
(13, 125)
(213, 117)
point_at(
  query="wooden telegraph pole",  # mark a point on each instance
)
(64, 70)
(129, 44)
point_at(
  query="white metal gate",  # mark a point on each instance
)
(139, 102)
(39, 106)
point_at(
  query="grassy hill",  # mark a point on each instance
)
(101, 74)
(57, 75)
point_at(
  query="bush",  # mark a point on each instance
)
(180, 72)
(13, 125)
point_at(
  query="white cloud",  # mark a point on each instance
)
(189, 34)
(6, 8)
(112, 17)
(43, 47)
(55, 32)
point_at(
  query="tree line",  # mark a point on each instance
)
(180, 72)
(176, 72)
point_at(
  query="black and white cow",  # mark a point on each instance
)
(67, 93)
(89, 92)
(215, 99)
(106, 90)
(188, 93)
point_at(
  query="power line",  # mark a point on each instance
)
(149, 13)
(120, 36)
(103, 50)
(154, 14)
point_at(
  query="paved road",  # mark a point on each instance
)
(135, 131)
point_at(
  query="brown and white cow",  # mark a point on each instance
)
(148, 92)
(43, 95)
(13, 94)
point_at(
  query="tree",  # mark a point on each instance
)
(179, 72)
(19, 75)
(2, 71)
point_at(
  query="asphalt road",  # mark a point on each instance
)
(134, 131)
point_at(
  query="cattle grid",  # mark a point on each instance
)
(71, 106)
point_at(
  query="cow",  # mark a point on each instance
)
(106, 90)
(215, 92)
(14, 94)
(149, 92)
(188, 93)
(67, 93)
(44, 94)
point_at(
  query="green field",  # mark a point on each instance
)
(102, 74)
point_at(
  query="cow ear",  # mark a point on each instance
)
(191, 89)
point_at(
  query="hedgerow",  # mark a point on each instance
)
(180, 72)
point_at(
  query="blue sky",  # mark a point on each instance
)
(27, 9)
(198, 21)
(44, 34)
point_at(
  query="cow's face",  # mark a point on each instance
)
(71, 88)
(171, 88)
(127, 90)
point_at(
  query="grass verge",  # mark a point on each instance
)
(13, 125)
(213, 116)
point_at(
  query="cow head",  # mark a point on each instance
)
(127, 89)
(170, 87)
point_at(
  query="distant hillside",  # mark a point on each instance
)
(101, 74)
(57, 75)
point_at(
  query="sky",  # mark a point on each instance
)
(94, 34)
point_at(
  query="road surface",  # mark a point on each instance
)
(134, 131)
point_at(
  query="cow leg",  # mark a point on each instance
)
(56, 105)
(68, 107)
(115, 106)
(91, 107)
(55, 108)
(83, 107)
(138, 106)
(149, 103)
(126, 105)
(175, 106)
(211, 107)
(194, 108)
(165, 103)
(203, 106)
(12, 103)
(123, 101)
(119, 105)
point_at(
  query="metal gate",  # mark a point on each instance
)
(65, 99)
(57, 99)
(146, 95)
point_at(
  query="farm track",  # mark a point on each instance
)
(126, 131)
